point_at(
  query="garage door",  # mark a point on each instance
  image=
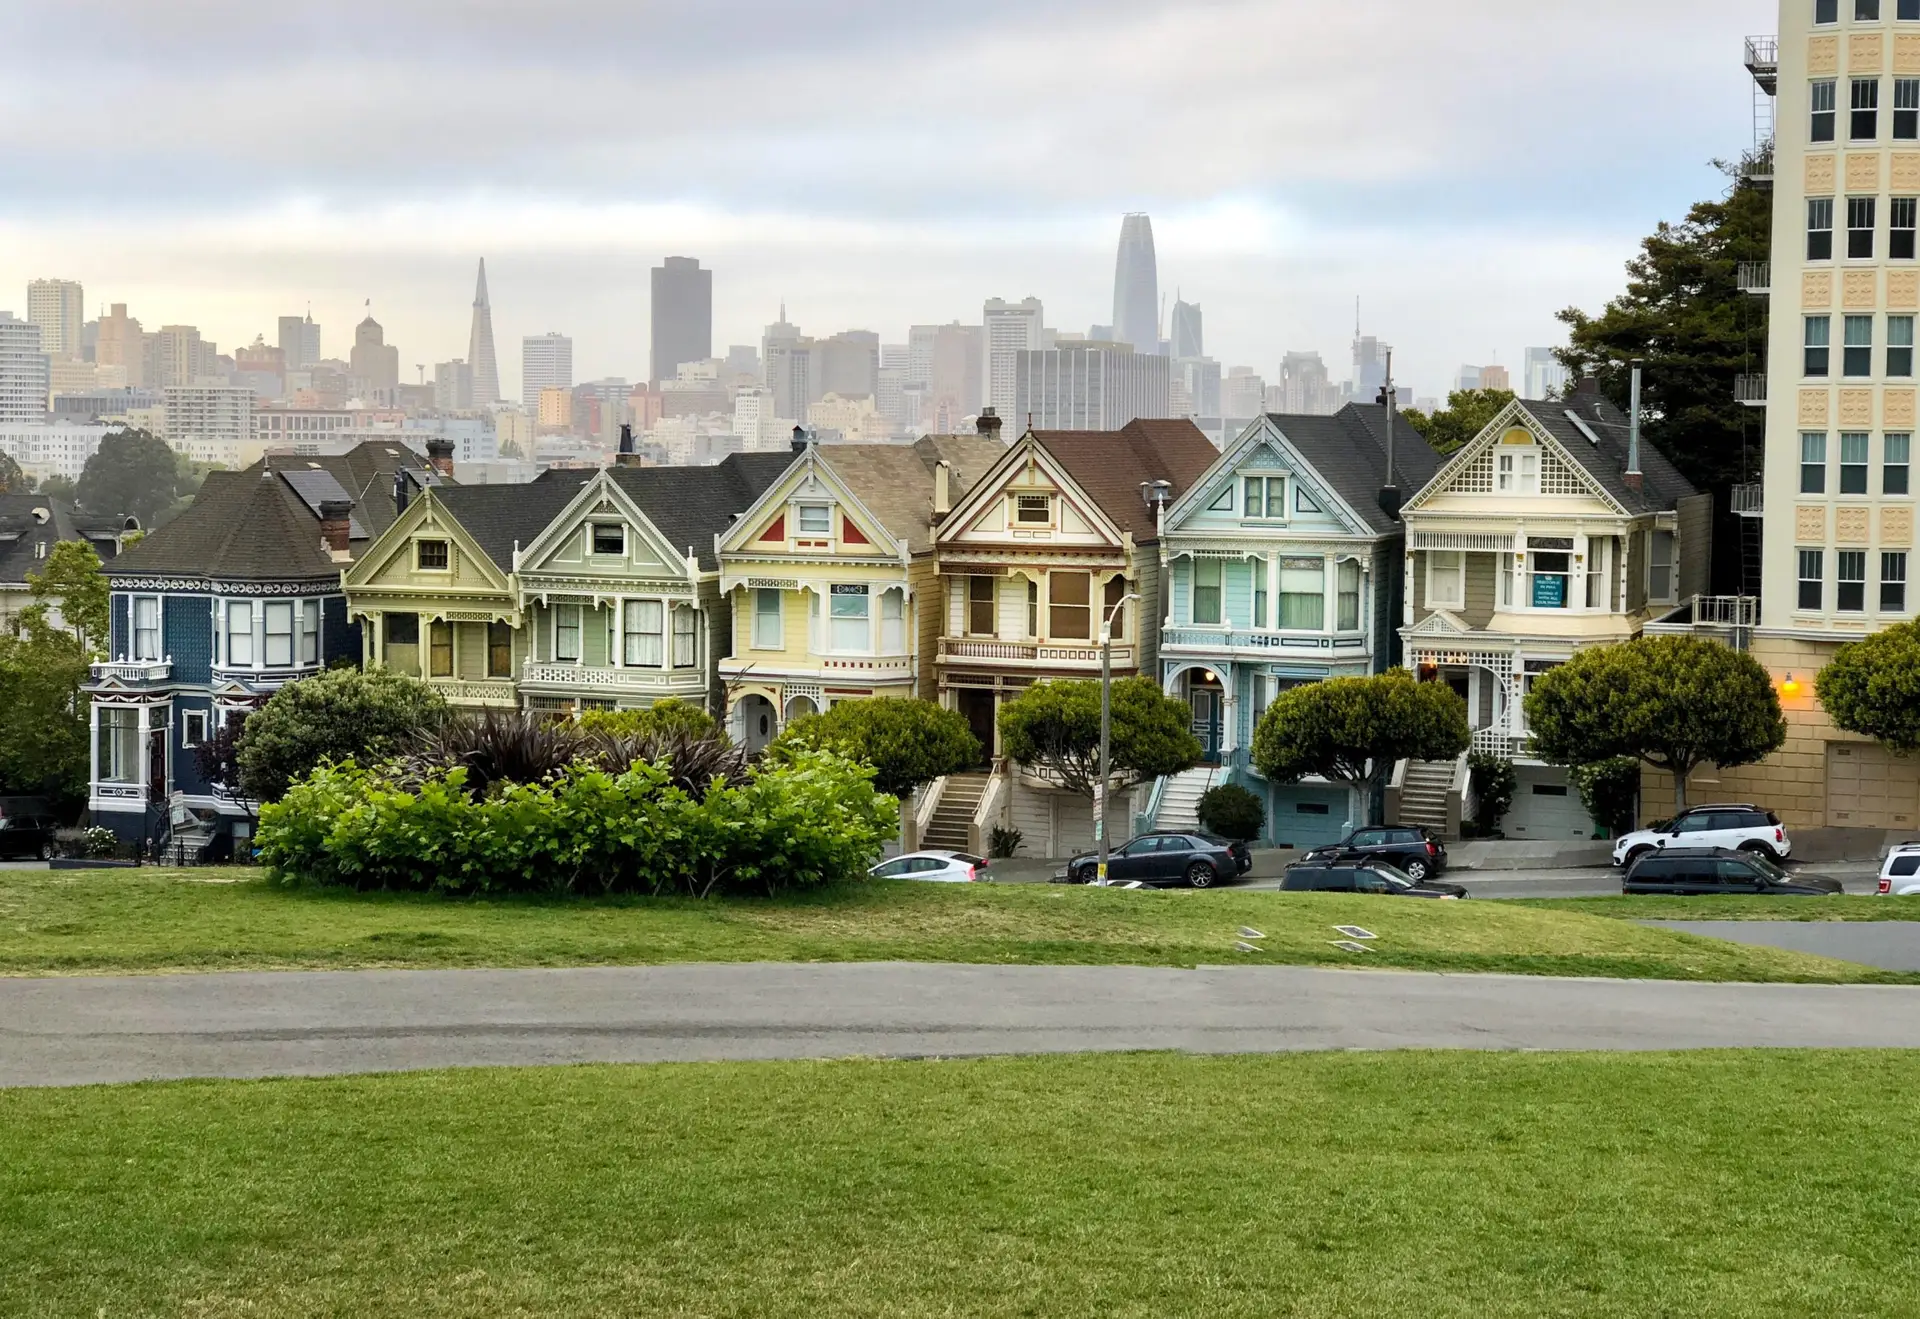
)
(1307, 817)
(1545, 806)
(1868, 787)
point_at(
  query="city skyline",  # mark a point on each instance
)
(1275, 251)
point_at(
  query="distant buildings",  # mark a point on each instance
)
(786, 366)
(1136, 287)
(299, 340)
(121, 344)
(45, 451)
(23, 371)
(1195, 387)
(682, 312)
(1090, 386)
(453, 385)
(1305, 388)
(1008, 329)
(177, 355)
(212, 423)
(1496, 377)
(482, 364)
(58, 307)
(847, 364)
(1188, 339)
(546, 362)
(1243, 394)
(1369, 367)
(1545, 377)
(374, 364)
(945, 361)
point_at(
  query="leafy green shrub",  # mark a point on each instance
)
(1003, 842)
(909, 743)
(343, 714)
(1609, 790)
(1872, 686)
(662, 717)
(1494, 784)
(808, 819)
(1231, 811)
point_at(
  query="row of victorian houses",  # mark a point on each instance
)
(959, 568)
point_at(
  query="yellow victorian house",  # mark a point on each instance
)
(829, 572)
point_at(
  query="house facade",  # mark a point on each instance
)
(30, 526)
(1546, 533)
(1283, 569)
(830, 580)
(1050, 542)
(217, 610)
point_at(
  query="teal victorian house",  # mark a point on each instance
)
(1282, 568)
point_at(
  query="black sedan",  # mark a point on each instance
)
(26, 827)
(1700, 871)
(1404, 847)
(1370, 877)
(1196, 860)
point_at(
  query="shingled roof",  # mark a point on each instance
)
(1348, 451)
(501, 518)
(29, 521)
(1601, 449)
(692, 505)
(896, 481)
(253, 525)
(1110, 466)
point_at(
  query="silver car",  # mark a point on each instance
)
(934, 867)
(1900, 872)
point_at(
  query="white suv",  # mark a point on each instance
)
(1738, 825)
(1900, 872)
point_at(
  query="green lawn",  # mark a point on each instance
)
(1738, 908)
(1147, 1185)
(55, 922)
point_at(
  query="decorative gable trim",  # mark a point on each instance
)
(811, 474)
(1471, 470)
(1440, 623)
(1023, 465)
(1262, 440)
(424, 511)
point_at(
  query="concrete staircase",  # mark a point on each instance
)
(953, 817)
(1180, 800)
(1424, 799)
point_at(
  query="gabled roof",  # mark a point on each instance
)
(1661, 485)
(895, 481)
(691, 505)
(499, 517)
(1109, 466)
(27, 520)
(253, 525)
(1348, 451)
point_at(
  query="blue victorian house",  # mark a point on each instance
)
(1282, 568)
(214, 612)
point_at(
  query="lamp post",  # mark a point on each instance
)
(1106, 733)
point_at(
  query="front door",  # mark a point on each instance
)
(976, 707)
(1206, 704)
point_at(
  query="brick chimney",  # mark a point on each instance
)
(626, 457)
(988, 423)
(440, 455)
(336, 526)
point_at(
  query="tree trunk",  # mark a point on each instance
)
(1679, 788)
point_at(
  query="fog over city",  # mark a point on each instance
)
(1461, 169)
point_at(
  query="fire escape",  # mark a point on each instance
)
(1755, 278)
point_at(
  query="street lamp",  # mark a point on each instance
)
(1106, 732)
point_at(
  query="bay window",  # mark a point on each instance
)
(1446, 579)
(279, 634)
(685, 627)
(980, 606)
(644, 645)
(1549, 567)
(1206, 591)
(439, 649)
(119, 744)
(893, 622)
(1347, 583)
(309, 632)
(851, 619)
(239, 634)
(566, 633)
(1070, 606)
(769, 630)
(146, 627)
(1303, 595)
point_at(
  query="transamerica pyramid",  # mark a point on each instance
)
(486, 367)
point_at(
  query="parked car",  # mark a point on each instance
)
(1197, 860)
(1363, 877)
(1698, 871)
(1738, 825)
(935, 867)
(1417, 851)
(1900, 872)
(26, 827)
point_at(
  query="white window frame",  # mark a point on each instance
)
(228, 632)
(1653, 564)
(686, 637)
(1518, 472)
(1040, 503)
(777, 617)
(1437, 574)
(1267, 485)
(893, 621)
(841, 629)
(189, 718)
(578, 627)
(309, 623)
(643, 642)
(278, 611)
(800, 527)
(619, 530)
(421, 544)
(135, 650)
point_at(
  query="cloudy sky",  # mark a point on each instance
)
(1463, 168)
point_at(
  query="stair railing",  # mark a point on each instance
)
(993, 804)
(924, 807)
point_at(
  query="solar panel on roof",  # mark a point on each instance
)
(314, 487)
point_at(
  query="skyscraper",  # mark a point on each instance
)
(1136, 287)
(299, 341)
(1369, 366)
(23, 371)
(374, 363)
(1008, 328)
(1187, 338)
(122, 345)
(1090, 386)
(480, 357)
(682, 316)
(58, 307)
(546, 362)
(1545, 377)
(847, 364)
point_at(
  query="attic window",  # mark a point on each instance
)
(609, 538)
(433, 556)
(1033, 510)
(816, 520)
(1581, 425)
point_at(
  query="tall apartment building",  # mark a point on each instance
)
(299, 340)
(847, 364)
(177, 355)
(23, 371)
(212, 423)
(122, 345)
(1007, 329)
(546, 362)
(58, 307)
(1837, 552)
(1305, 387)
(1545, 377)
(453, 386)
(1243, 394)
(1090, 386)
(682, 314)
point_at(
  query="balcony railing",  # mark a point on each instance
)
(476, 691)
(1749, 501)
(1497, 741)
(1050, 654)
(1756, 165)
(1750, 390)
(1218, 639)
(1763, 62)
(137, 673)
(608, 679)
(1754, 277)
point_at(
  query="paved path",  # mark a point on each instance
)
(62, 1031)
(1891, 945)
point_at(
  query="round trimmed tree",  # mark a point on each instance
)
(1872, 686)
(338, 715)
(909, 743)
(1354, 730)
(1675, 703)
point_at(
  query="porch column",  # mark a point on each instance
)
(93, 747)
(617, 651)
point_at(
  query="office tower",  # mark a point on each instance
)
(1496, 377)
(742, 363)
(1466, 378)
(1306, 388)
(1196, 385)
(682, 316)
(23, 371)
(58, 307)
(1369, 366)
(1090, 386)
(481, 361)
(1136, 287)
(920, 341)
(1007, 330)
(453, 387)
(756, 421)
(954, 383)
(1546, 378)
(374, 364)
(546, 362)
(121, 344)
(890, 395)
(1243, 394)
(778, 343)
(847, 364)
(1187, 339)
(299, 340)
(177, 355)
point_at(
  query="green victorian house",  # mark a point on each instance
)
(577, 591)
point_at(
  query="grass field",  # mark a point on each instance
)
(55, 922)
(1131, 1185)
(1738, 908)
